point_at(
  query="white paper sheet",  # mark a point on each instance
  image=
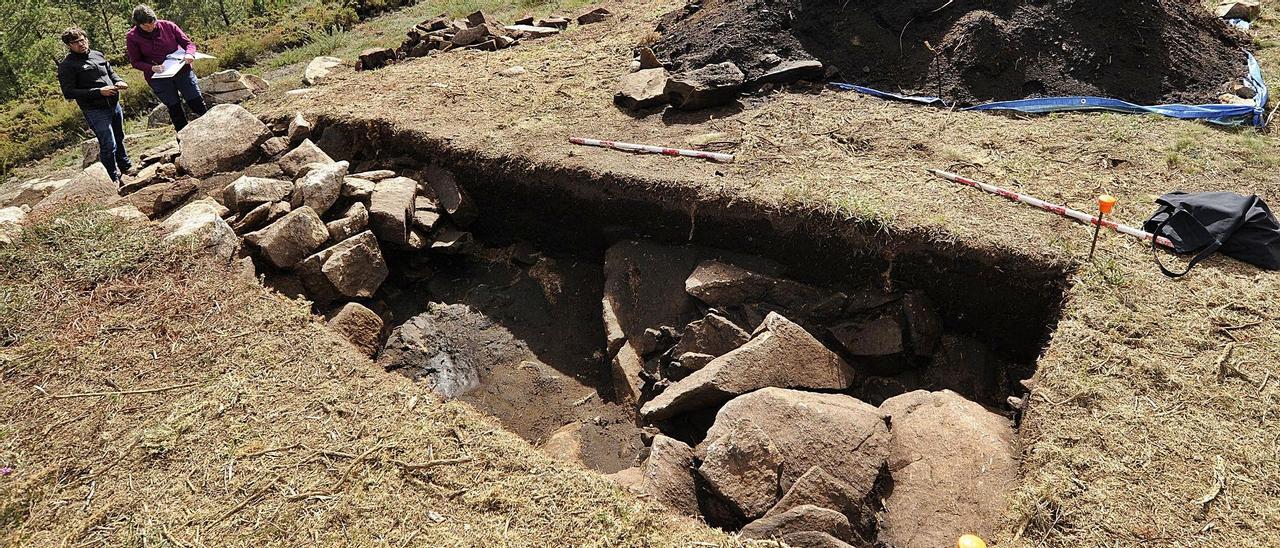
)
(174, 62)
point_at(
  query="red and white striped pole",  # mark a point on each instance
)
(632, 147)
(1054, 208)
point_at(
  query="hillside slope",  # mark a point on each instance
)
(151, 400)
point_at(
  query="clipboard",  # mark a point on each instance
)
(174, 62)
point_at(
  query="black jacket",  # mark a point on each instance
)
(81, 75)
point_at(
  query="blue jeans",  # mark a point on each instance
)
(108, 126)
(182, 84)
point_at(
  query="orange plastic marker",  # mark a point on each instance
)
(971, 541)
(1106, 203)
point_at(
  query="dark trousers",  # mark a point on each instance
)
(182, 87)
(108, 126)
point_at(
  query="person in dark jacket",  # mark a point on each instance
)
(86, 77)
(147, 45)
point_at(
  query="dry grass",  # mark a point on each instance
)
(1124, 435)
(149, 400)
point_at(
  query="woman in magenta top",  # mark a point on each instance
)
(147, 45)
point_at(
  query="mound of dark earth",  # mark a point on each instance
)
(972, 51)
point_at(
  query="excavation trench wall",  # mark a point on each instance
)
(1010, 302)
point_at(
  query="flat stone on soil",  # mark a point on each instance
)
(425, 350)
(319, 69)
(642, 89)
(594, 16)
(790, 71)
(565, 444)
(291, 238)
(709, 86)
(226, 138)
(781, 354)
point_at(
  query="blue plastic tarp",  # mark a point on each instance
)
(1232, 115)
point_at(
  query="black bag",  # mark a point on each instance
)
(1204, 222)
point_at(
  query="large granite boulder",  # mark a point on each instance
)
(844, 436)
(953, 463)
(226, 138)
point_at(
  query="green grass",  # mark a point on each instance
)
(320, 42)
(43, 122)
(83, 247)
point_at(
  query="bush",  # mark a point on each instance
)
(40, 125)
(43, 122)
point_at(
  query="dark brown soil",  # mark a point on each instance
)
(973, 51)
(536, 335)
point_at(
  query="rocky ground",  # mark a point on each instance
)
(714, 402)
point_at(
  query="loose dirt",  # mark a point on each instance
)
(969, 51)
(535, 334)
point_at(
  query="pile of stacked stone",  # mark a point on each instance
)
(702, 337)
(649, 85)
(231, 87)
(276, 204)
(222, 87)
(476, 31)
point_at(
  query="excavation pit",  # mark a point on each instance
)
(969, 52)
(676, 342)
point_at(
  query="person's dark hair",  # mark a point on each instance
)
(72, 34)
(143, 14)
